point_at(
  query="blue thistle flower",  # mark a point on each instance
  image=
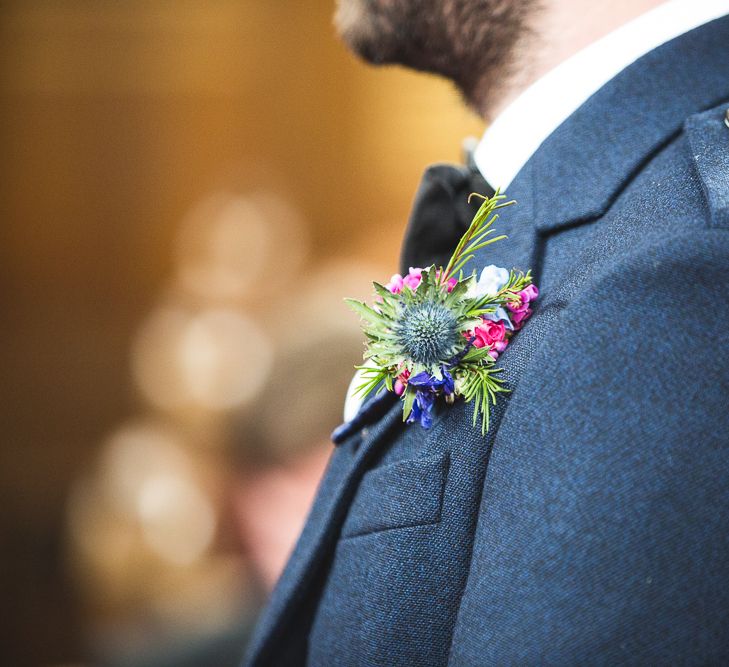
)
(428, 332)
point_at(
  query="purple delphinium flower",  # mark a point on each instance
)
(421, 410)
(427, 387)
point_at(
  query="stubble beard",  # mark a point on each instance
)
(473, 43)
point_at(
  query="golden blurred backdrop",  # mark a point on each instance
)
(188, 190)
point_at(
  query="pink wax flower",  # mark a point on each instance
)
(452, 282)
(489, 333)
(520, 310)
(412, 280)
(395, 284)
(518, 306)
(526, 296)
(500, 345)
(519, 317)
(401, 382)
(529, 293)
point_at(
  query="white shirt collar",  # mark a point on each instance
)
(521, 128)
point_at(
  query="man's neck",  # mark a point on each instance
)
(558, 30)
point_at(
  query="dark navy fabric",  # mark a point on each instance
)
(590, 526)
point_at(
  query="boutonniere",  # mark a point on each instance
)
(436, 333)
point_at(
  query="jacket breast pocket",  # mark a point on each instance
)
(398, 495)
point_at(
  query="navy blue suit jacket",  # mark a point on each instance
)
(591, 524)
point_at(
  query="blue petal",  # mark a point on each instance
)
(448, 385)
(422, 379)
(415, 413)
(425, 401)
(492, 279)
(500, 315)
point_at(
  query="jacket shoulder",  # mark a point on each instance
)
(708, 139)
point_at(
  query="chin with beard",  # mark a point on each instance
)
(471, 42)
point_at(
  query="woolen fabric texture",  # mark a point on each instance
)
(590, 526)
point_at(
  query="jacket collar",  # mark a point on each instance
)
(517, 132)
(580, 169)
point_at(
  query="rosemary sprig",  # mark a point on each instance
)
(476, 236)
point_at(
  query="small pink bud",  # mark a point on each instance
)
(412, 280)
(529, 293)
(520, 317)
(395, 284)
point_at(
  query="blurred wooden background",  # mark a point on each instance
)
(116, 119)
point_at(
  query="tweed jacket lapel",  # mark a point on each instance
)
(603, 144)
